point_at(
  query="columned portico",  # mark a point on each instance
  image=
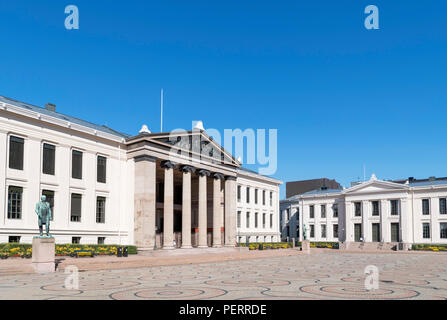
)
(176, 205)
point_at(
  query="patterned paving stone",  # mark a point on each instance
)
(321, 275)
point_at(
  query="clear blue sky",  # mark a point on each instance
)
(340, 96)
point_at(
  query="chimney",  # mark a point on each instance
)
(432, 179)
(50, 107)
(411, 179)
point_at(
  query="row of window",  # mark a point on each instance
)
(442, 206)
(426, 234)
(247, 220)
(15, 207)
(323, 211)
(16, 159)
(239, 196)
(323, 231)
(74, 240)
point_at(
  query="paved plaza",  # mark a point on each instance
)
(320, 275)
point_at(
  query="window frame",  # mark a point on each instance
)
(73, 153)
(52, 166)
(18, 205)
(98, 171)
(21, 163)
(71, 207)
(100, 216)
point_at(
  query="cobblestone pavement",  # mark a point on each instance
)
(325, 275)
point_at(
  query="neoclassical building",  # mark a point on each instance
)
(376, 211)
(154, 190)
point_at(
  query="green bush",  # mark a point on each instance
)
(21, 249)
(267, 245)
(429, 247)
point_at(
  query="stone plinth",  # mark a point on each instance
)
(305, 246)
(44, 255)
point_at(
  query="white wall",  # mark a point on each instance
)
(259, 234)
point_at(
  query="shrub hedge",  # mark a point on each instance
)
(267, 245)
(330, 245)
(25, 250)
(429, 247)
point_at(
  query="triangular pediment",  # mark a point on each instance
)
(376, 186)
(194, 143)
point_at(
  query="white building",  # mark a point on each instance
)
(257, 208)
(385, 212)
(151, 190)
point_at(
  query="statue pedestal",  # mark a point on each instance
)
(305, 246)
(44, 250)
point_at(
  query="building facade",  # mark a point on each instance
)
(376, 211)
(154, 190)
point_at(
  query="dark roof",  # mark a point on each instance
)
(299, 187)
(61, 116)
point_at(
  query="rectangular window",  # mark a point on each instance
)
(100, 210)
(263, 220)
(312, 231)
(376, 232)
(288, 214)
(16, 147)
(238, 193)
(323, 211)
(248, 195)
(256, 196)
(311, 212)
(442, 206)
(48, 159)
(76, 205)
(256, 220)
(15, 196)
(50, 199)
(357, 232)
(443, 229)
(394, 232)
(14, 239)
(335, 209)
(271, 199)
(358, 209)
(76, 164)
(263, 197)
(101, 240)
(426, 230)
(425, 206)
(323, 231)
(271, 221)
(375, 208)
(75, 240)
(101, 170)
(394, 208)
(238, 219)
(247, 223)
(335, 230)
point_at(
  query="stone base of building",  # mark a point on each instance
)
(44, 250)
(373, 246)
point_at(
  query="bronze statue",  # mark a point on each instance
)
(43, 211)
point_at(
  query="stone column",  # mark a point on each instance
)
(186, 207)
(203, 227)
(230, 211)
(145, 202)
(168, 206)
(385, 232)
(217, 214)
